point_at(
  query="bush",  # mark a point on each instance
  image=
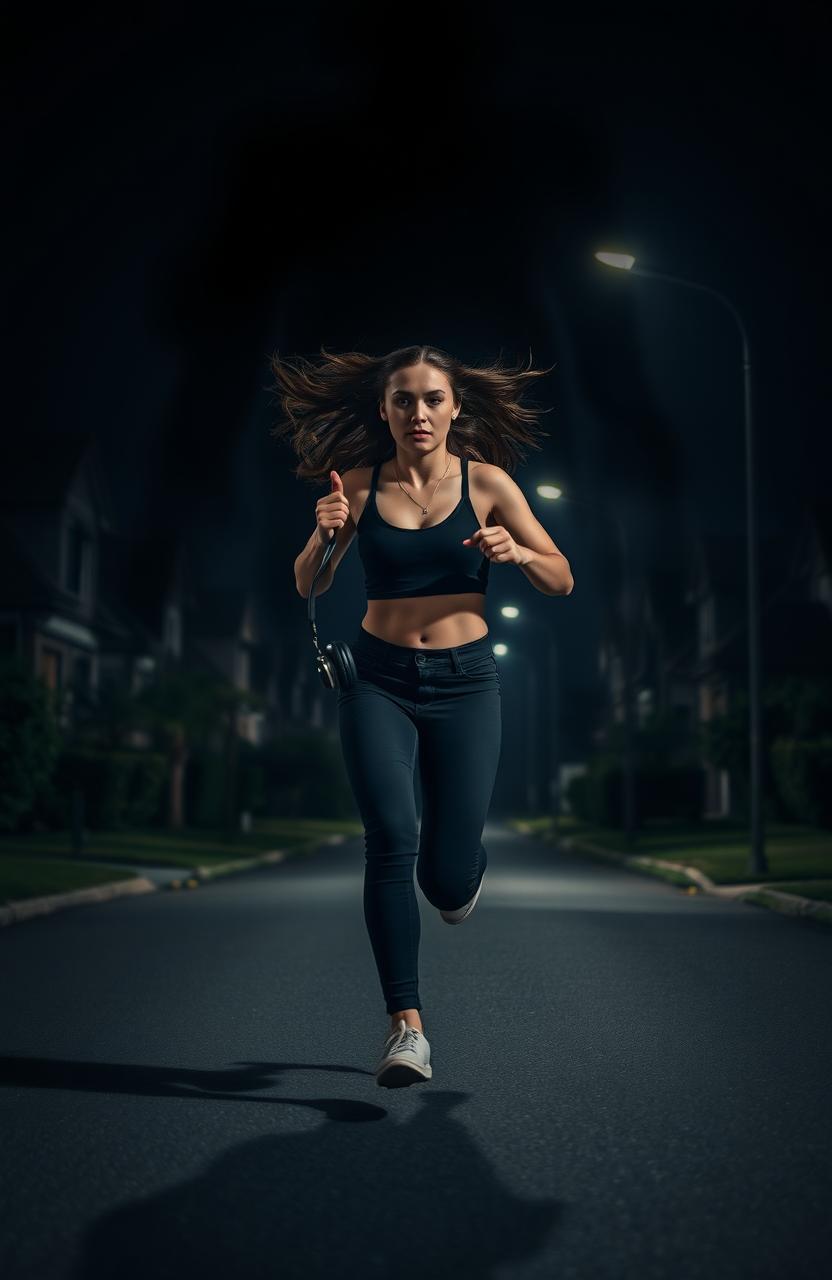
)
(305, 776)
(577, 793)
(206, 785)
(120, 788)
(597, 796)
(29, 742)
(205, 788)
(802, 771)
(251, 779)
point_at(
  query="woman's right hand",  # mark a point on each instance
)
(332, 510)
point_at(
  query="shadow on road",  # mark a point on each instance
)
(408, 1195)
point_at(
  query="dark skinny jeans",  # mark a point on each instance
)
(448, 703)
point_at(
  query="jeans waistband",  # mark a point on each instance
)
(382, 653)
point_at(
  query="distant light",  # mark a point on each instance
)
(550, 491)
(624, 261)
(509, 611)
(500, 649)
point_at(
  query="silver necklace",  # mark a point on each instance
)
(412, 499)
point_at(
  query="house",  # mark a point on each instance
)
(55, 517)
(690, 631)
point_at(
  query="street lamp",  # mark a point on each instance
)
(758, 863)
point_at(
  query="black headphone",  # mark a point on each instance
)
(336, 665)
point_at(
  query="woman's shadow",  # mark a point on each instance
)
(386, 1188)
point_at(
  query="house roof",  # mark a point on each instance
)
(22, 585)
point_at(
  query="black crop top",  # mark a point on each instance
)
(421, 562)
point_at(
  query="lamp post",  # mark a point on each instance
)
(758, 864)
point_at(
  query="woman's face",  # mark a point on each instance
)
(420, 396)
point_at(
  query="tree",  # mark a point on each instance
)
(184, 707)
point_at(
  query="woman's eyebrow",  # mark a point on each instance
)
(404, 392)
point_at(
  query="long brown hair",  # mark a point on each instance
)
(331, 418)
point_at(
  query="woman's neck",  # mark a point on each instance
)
(422, 472)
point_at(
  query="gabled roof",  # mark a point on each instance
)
(22, 584)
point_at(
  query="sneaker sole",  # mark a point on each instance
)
(396, 1075)
(469, 909)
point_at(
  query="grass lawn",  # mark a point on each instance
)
(720, 849)
(36, 877)
(153, 846)
(43, 863)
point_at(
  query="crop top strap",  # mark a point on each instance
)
(374, 481)
(464, 462)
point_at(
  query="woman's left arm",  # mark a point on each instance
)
(518, 537)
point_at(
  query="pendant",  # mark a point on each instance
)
(424, 511)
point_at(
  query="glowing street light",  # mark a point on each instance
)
(626, 262)
(623, 261)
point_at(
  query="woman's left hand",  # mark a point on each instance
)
(496, 543)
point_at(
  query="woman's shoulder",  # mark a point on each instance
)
(484, 475)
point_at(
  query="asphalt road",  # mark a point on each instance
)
(628, 1082)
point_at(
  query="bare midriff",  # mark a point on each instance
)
(428, 622)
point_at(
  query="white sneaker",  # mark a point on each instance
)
(406, 1058)
(457, 916)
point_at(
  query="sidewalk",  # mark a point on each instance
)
(148, 880)
(761, 895)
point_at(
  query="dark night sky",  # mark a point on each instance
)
(192, 193)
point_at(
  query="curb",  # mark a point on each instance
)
(13, 912)
(790, 904)
(28, 907)
(238, 864)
